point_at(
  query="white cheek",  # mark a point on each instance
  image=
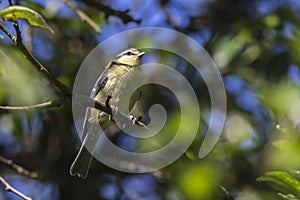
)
(126, 58)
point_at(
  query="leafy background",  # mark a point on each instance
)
(256, 45)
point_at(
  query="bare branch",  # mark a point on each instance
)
(41, 106)
(9, 188)
(9, 34)
(19, 169)
(228, 195)
(83, 16)
(109, 11)
(82, 99)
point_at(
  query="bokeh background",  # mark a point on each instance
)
(256, 46)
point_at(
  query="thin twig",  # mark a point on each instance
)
(9, 188)
(19, 169)
(18, 32)
(9, 34)
(41, 106)
(82, 99)
(83, 16)
(125, 17)
(228, 195)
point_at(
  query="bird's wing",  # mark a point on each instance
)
(91, 114)
(134, 98)
(101, 81)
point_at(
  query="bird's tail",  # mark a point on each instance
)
(81, 164)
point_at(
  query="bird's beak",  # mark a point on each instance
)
(141, 54)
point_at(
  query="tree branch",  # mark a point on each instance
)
(19, 169)
(41, 106)
(108, 11)
(88, 102)
(9, 34)
(82, 99)
(83, 16)
(9, 188)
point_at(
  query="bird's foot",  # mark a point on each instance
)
(137, 121)
(133, 119)
(102, 114)
(114, 109)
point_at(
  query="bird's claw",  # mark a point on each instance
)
(133, 119)
(102, 114)
(114, 109)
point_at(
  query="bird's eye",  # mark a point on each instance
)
(129, 53)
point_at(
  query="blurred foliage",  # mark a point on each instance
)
(256, 45)
(23, 84)
(195, 181)
(283, 182)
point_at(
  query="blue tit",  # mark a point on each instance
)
(107, 91)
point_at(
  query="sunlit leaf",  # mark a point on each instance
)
(20, 12)
(282, 181)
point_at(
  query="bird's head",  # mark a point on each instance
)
(131, 57)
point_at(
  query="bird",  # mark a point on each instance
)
(107, 91)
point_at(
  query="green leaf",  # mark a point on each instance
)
(20, 12)
(282, 181)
